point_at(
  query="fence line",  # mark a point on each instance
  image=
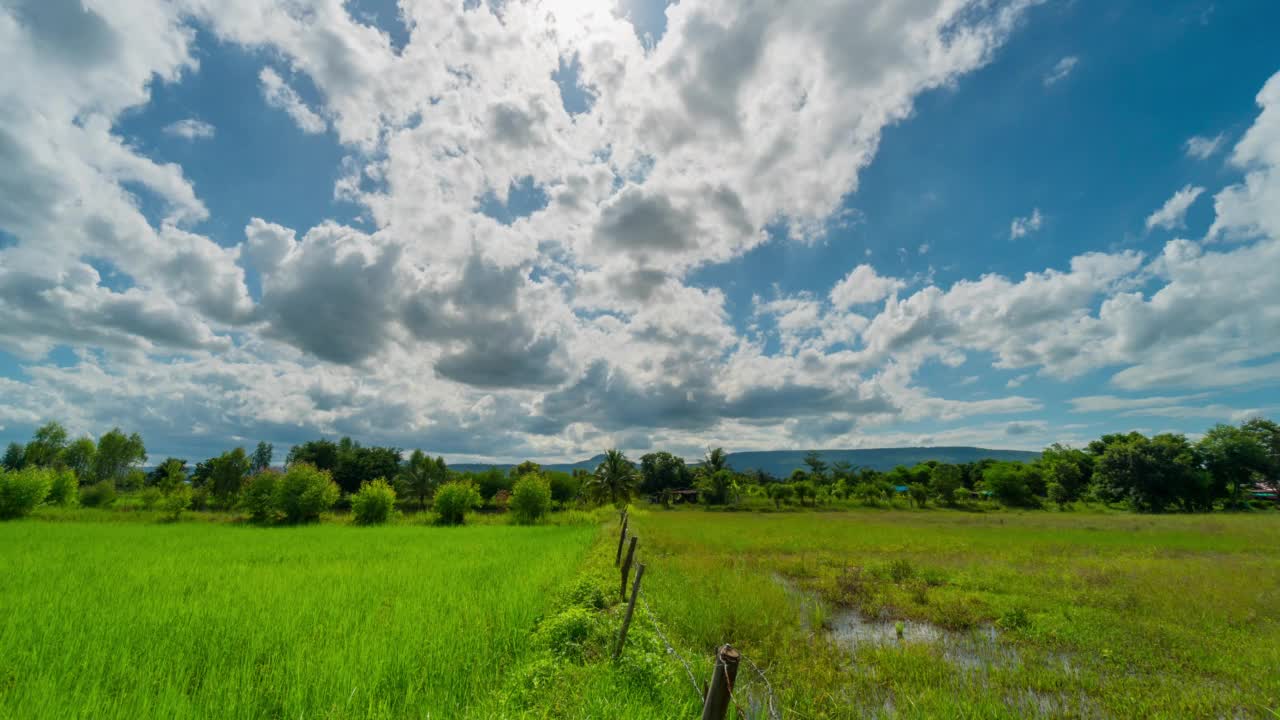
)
(710, 704)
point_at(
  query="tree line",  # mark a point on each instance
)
(1223, 469)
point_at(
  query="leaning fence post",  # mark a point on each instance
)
(631, 608)
(718, 694)
(622, 537)
(626, 565)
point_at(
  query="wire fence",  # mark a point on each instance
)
(771, 705)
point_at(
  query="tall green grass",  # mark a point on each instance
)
(216, 621)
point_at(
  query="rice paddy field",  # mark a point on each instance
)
(200, 620)
(847, 614)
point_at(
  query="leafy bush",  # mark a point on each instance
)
(22, 490)
(259, 496)
(175, 502)
(100, 495)
(304, 492)
(64, 489)
(150, 498)
(374, 503)
(901, 570)
(454, 500)
(569, 633)
(530, 499)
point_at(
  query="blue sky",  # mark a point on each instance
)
(538, 229)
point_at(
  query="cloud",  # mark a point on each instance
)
(1201, 147)
(1061, 70)
(190, 129)
(1022, 226)
(1173, 213)
(863, 285)
(279, 95)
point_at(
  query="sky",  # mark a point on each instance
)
(506, 229)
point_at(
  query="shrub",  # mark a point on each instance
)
(374, 503)
(454, 500)
(530, 499)
(64, 489)
(901, 570)
(259, 496)
(175, 502)
(569, 633)
(101, 495)
(150, 498)
(304, 492)
(22, 490)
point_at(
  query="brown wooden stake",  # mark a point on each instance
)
(626, 565)
(622, 538)
(717, 701)
(631, 608)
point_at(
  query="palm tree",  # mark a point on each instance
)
(615, 478)
(715, 460)
(419, 476)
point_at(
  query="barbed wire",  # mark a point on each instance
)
(653, 618)
(773, 711)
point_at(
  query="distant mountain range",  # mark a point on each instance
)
(780, 463)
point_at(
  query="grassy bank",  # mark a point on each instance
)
(128, 620)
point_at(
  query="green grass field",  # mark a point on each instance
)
(1004, 615)
(131, 620)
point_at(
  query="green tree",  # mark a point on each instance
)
(662, 471)
(946, 480)
(78, 456)
(116, 455)
(565, 487)
(527, 467)
(374, 503)
(1010, 483)
(160, 474)
(715, 460)
(803, 489)
(304, 491)
(1069, 467)
(779, 493)
(14, 457)
(919, 493)
(530, 498)
(320, 454)
(22, 490)
(46, 446)
(259, 497)
(1059, 495)
(227, 474)
(490, 482)
(718, 488)
(817, 467)
(1233, 457)
(614, 480)
(261, 459)
(454, 500)
(418, 477)
(1267, 433)
(64, 489)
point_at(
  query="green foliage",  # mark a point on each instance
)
(528, 467)
(374, 504)
(64, 488)
(614, 480)
(530, 498)
(779, 493)
(150, 497)
(175, 502)
(662, 471)
(22, 490)
(261, 458)
(454, 500)
(1058, 495)
(1011, 483)
(565, 487)
(421, 475)
(803, 490)
(78, 457)
(14, 457)
(715, 460)
(46, 446)
(303, 492)
(718, 488)
(259, 496)
(945, 480)
(1232, 457)
(358, 464)
(919, 493)
(1150, 474)
(98, 495)
(116, 455)
(490, 482)
(227, 474)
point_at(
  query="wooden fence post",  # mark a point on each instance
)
(718, 695)
(631, 608)
(622, 538)
(626, 565)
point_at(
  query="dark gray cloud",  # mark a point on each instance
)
(637, 222)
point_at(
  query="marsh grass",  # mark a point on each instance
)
(1080, 614)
